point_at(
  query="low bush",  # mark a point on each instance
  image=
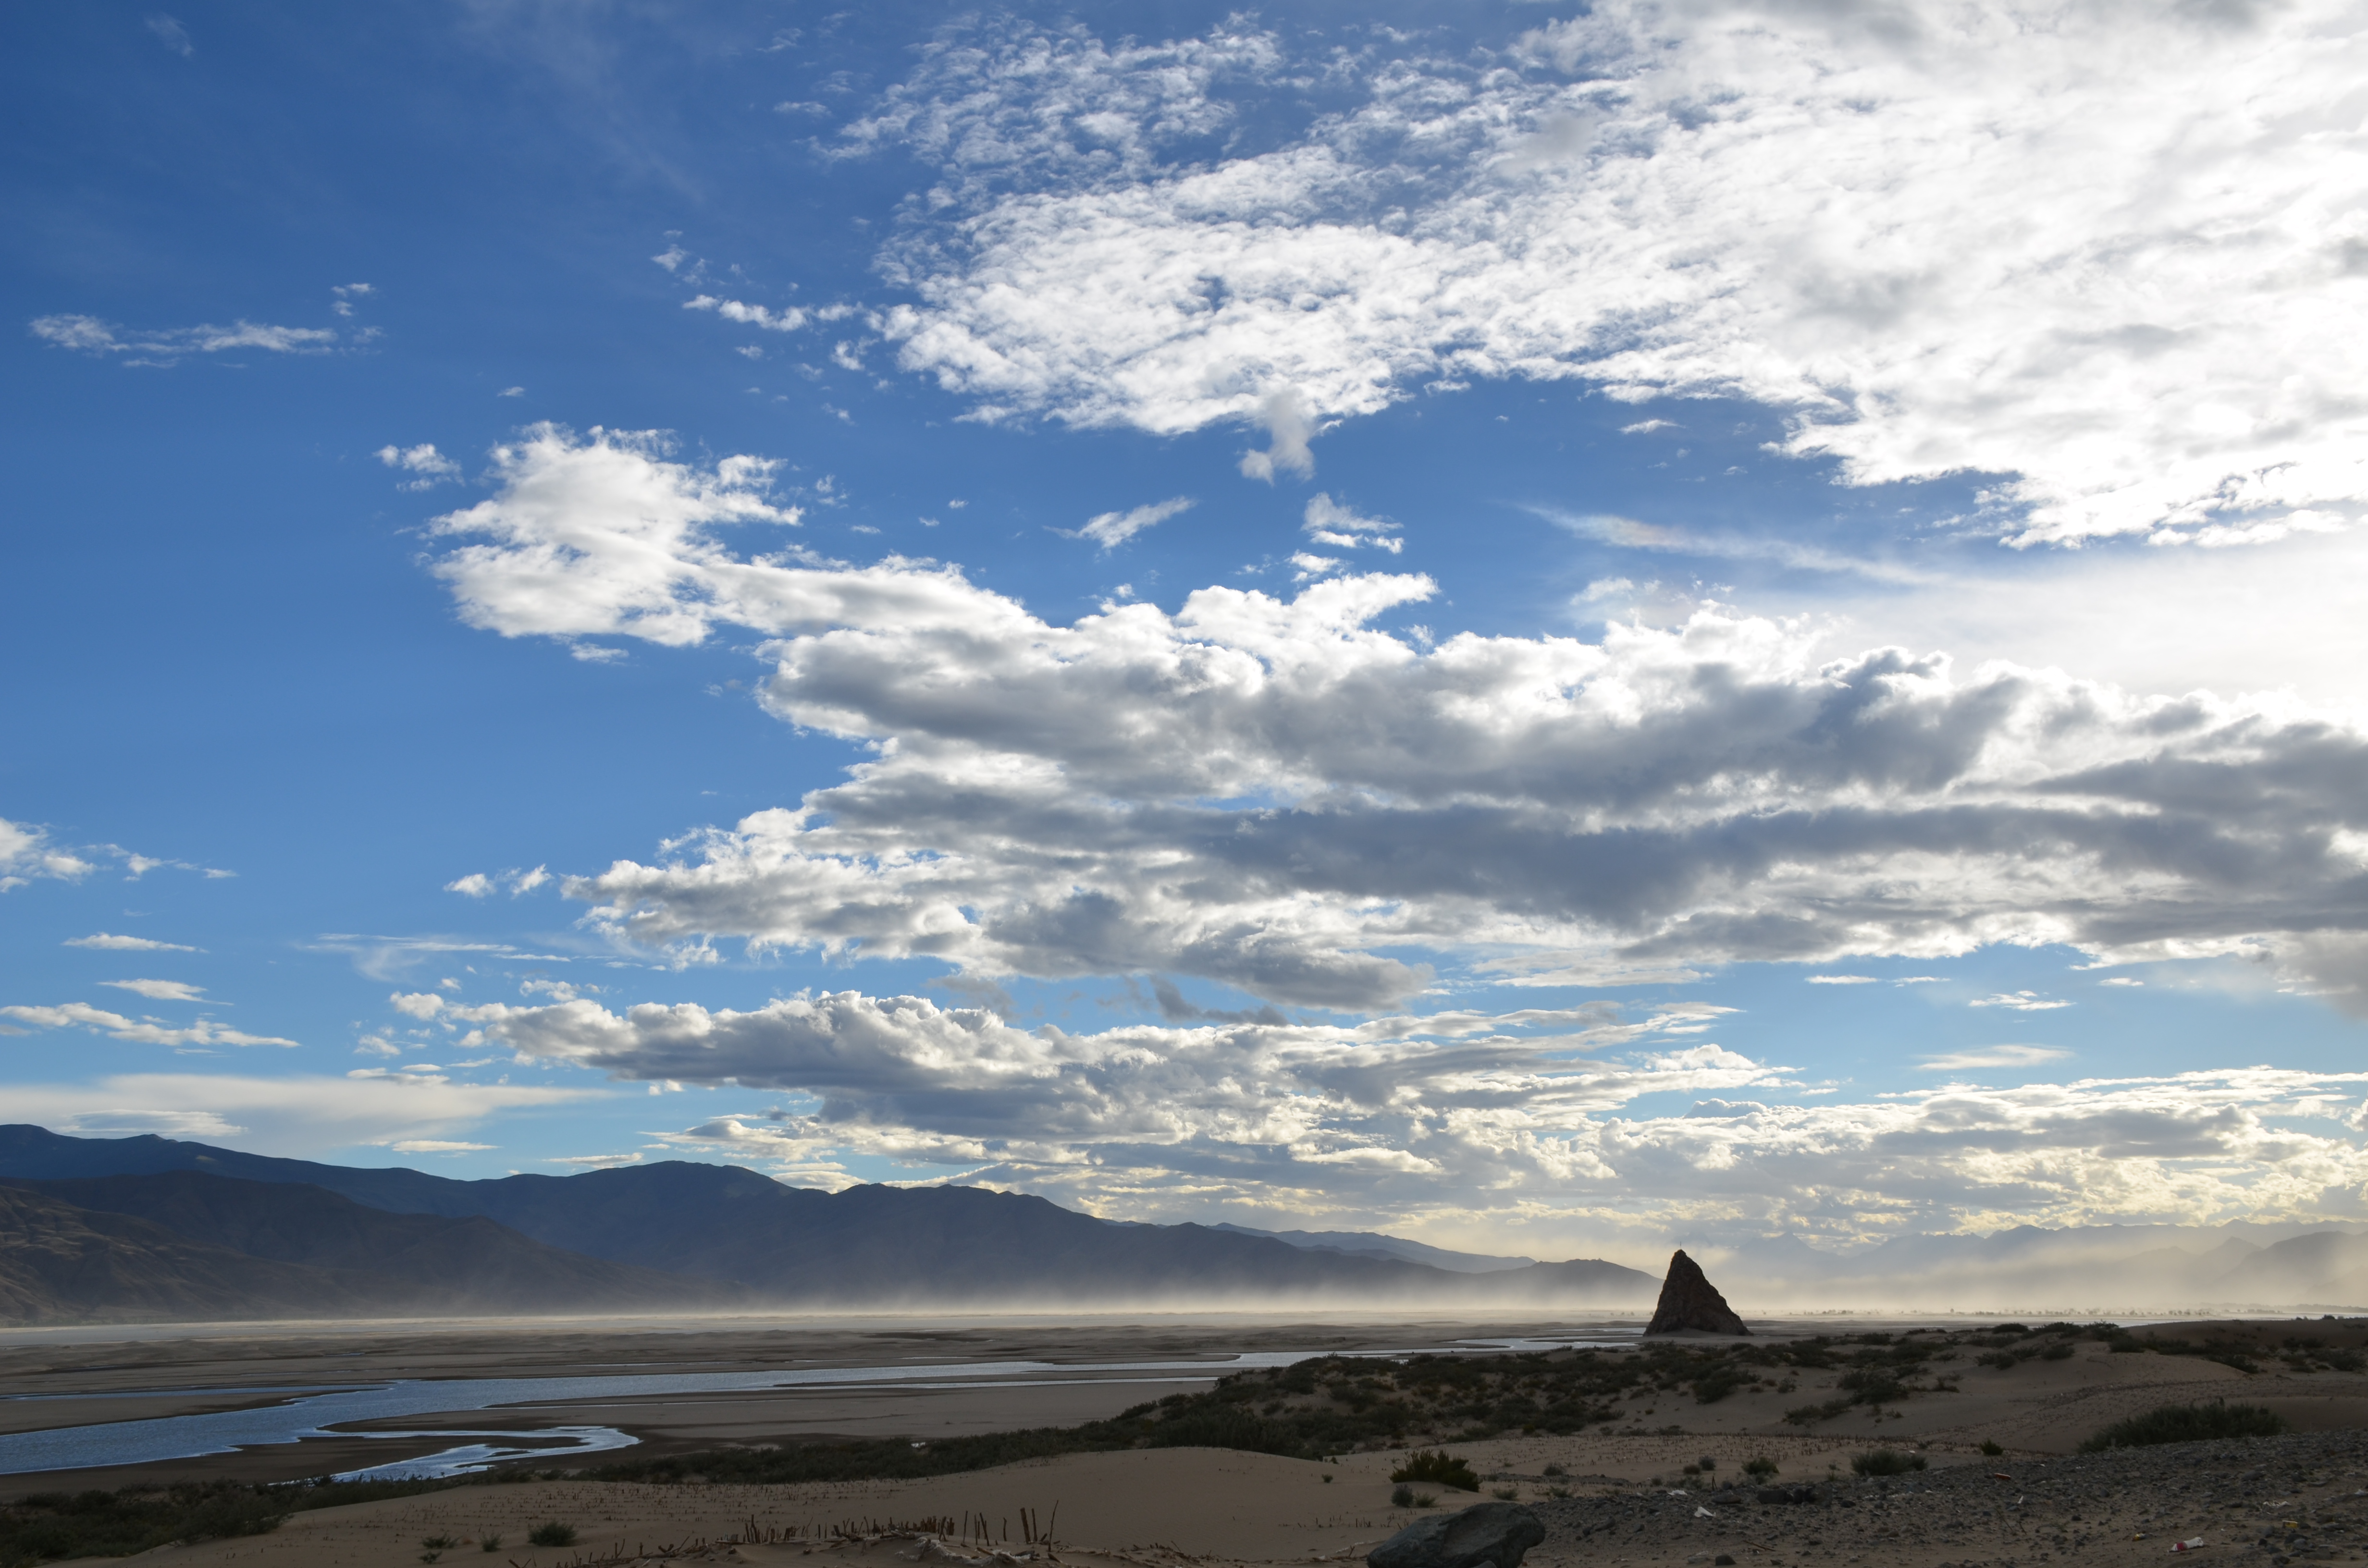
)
(551, 1534)
(1438, 1467)
(45, 1526)
(1886, 1461)
(1760, 1467)
(2188, 1424)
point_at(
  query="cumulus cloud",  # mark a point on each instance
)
(88, 335)
(1943, 238)
(431, 467)
(606, 535)
(1278, 794)
(1110, 529)
(142, 1031)
(1457, 1114)
(750, 315)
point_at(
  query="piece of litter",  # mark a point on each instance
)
(1702, 1513)
(2190, 1544)
(2000, 1475)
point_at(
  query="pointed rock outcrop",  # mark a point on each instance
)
(1689, 1301)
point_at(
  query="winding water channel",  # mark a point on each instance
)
(321, 1411)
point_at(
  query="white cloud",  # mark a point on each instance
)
(109, 942)
(1110, 529)
(169, 32)
(1993, 1056)
(88, 335)
(438, 1146)
(606, 535)
(417, 1003)
(347, 293)
(1841, 980)
(1459, 1115)
(1053, 801)
(160, 990)
(592, 1162)
(432, 467)
(82, 1015)
(479, 884)
(295, 1116)
(1943, 238)
(789, 319)
(1328, 521)
(27, 852)
(2021, 1001)
(511, 392)
(386, 957)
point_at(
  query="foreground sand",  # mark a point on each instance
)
(1155, 1508)
(2274, 1501)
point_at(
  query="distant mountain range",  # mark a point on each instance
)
(152, 1227)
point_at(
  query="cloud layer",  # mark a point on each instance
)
(2114, 254)
(1529, 1116)
(1278, 795)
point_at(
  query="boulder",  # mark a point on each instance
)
(1485, 1533)
(1690, 1302)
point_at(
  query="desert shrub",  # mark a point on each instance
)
(2059, 1351)
(1991, 1447)
(1402, 1496)
(1886, 1461)
(45, 1526)
(1438, 1467)
(552, 1534)
(2188, 1424)
(1760, 1467)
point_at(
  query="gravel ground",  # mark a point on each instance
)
(2272, 1501)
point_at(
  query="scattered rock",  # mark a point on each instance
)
(1488, 1533)
(1689, 1301)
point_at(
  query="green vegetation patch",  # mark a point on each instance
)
(49, 1525)
(2188, 1424)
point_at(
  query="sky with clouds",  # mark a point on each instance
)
(1548, 628)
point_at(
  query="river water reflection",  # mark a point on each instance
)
(318, 1412)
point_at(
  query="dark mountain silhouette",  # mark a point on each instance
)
(866, 1245)
(404, 1262)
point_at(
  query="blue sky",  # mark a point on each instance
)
(1351, 565)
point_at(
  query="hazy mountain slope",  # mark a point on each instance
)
(466, 1264)
(2314, 1268)
(1372, 1243)
(1587, 1279)
(62, 1264)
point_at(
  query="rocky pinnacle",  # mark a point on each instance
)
(1689, 1301)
